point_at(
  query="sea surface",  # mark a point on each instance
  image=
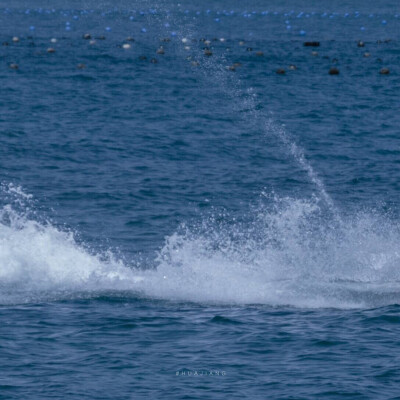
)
(194, 204)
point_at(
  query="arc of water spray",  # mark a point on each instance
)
(298, 154)
(235, 89)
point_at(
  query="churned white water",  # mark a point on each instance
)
(287, 253)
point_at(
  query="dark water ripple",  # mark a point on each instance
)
(130, 346)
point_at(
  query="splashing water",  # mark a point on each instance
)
(37, 260)
(214, 71)
(291, 252)
(287, 253)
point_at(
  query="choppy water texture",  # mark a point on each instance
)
(192, 206)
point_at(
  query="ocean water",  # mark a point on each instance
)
(179, 220)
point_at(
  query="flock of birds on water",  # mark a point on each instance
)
(207, 51)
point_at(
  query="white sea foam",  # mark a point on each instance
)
(37, 259)
(290, 253)
(287, 256)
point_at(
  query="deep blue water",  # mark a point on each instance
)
(178, 220)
